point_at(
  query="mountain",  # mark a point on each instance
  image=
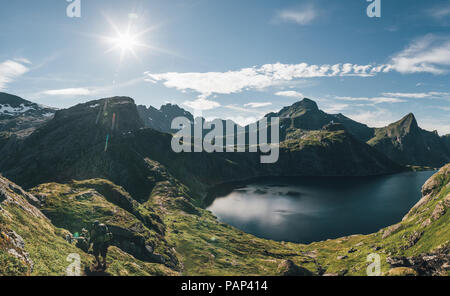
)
(73, 143)
(446, 140)
(21, 117)
(403, 141)
(406, 143)
(161, 119)
(98, 161)
(106, 139)
(306, 115)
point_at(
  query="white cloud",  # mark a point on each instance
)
(301, 16)
(377, 118)
(243, 120)
(245, 110)
(290, 93)
(373, 100)
(90, 90)
(429, 54)
(440, 12)
(258, 104)
(335, 108)
(68, 92)
(201, 104)
(423, 95)
(435, 124)
(11, 70)
(256, 77)
(23, 61)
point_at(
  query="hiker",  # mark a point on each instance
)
(100, 237)
(83, 240)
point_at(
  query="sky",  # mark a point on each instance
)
(234, 59)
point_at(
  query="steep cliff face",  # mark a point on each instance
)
(72, 145)
(161, 120)
(405, 142)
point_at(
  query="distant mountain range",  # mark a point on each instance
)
(403, 141)
(312, 143)
(107, 138)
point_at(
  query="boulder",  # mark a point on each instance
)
(289, 268)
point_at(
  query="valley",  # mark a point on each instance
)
(153, 199)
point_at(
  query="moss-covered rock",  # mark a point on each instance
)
(402, 271)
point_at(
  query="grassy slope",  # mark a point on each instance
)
(205, 246)
(47, 247)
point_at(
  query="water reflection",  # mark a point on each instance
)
(316, 208)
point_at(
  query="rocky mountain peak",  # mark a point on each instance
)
(297, 109)
(307, 104)
(161, 119)
(407, 124)
(118, 114)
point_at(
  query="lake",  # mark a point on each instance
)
(308, 209)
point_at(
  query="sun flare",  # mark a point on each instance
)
(130, 39)
(125, 42)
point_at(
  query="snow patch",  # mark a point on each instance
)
(8, 110)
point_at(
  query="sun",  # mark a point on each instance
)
(129, 39)
(126, 42)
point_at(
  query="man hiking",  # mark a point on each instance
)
(100, 237)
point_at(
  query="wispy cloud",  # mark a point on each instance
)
(268, 75)
(373, 118)
(89, 91)
(290, 93)
(432, 124)
(68, 92)
(302, 15)
(335, 108)
(258, 104)
(372, 100)
(423, 95)
(243, 120)
(10, 70)
(429, 54)
(201, 104)
(440, 12)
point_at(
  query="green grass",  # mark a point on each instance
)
(202, 244)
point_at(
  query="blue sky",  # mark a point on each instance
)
(234, 59)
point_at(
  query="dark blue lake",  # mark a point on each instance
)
(308, 209)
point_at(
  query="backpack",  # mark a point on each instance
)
(103, 234)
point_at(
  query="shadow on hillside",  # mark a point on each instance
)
(93, 271)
